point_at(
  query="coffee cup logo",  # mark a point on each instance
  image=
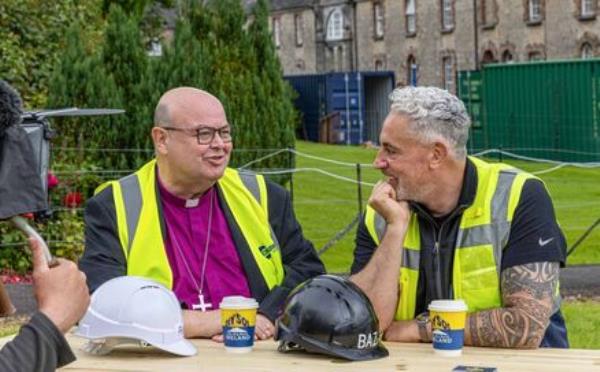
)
(437, 322)
(237, 321)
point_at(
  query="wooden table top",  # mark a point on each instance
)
(265, 357)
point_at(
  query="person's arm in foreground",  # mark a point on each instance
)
(379, 278)
(527, 297)
(62, 298)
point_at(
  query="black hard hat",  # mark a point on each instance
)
(330, 315)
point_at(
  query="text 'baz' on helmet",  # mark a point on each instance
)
(330, 315)
(131, 309)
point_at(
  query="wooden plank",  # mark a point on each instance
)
(265, 357)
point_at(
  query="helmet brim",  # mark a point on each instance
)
(351, 354)
(314, 346)
(181, 347)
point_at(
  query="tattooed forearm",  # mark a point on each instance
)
(528, 302)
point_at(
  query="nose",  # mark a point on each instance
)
(380, 162)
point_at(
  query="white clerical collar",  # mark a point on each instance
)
(192, 203)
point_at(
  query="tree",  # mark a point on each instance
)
(31, 40)
(276, 95)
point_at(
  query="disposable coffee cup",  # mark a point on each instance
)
(238, 318)
(448, 325)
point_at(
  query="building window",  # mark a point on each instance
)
(299, 29)
(587, 8)
(411, 17)
(507, 56)
(535, 56)
(335, 25)
(488, 57)
(587, 51)
(447, 15)
(413, 68)
(378, 19)
(276, 32)
(483, 8)
(448, 72)
(535, 10)
(378, 65)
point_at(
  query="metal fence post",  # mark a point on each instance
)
(359, 189)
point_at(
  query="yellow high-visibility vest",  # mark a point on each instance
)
(139, 223)
(483, 233)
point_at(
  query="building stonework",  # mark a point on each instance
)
(375, 35)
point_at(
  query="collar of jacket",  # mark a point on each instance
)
(465, 199)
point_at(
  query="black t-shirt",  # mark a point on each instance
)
(534, 235)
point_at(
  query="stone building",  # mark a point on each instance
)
(426, 42)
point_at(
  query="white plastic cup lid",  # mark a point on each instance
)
(447, 305)
(238, 302)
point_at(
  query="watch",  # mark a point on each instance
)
(423, 325)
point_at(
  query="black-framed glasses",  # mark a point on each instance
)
(204, 134)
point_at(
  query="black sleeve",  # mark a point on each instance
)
(39, 346)
(534, 234)
(364, 249)
(300, 260)
(102, 257)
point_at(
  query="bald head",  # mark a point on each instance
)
(187, 105)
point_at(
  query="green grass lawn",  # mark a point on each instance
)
(583, 323)
(324, 205)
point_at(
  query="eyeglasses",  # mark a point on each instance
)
(205, 135)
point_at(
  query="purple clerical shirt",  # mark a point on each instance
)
(185, 241)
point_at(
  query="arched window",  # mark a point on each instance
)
(507, 56)
(412, 70)
(535, 55)
(335, 25)
(587, 51)
(488, 57)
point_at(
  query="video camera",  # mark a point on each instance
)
(25, 156)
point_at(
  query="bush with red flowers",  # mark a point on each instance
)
(72, 199)
(9, 276)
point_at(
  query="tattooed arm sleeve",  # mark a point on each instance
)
(528, 302)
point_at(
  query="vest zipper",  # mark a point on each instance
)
(436, 263)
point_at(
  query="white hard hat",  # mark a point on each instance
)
(134, 308)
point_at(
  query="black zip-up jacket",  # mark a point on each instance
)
(534, 220)
(103, 257)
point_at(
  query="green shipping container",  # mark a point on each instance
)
(547, 110)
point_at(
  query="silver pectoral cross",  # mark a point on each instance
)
(202, 306)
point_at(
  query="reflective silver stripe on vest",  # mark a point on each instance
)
(249, 180)
(410, 257)
(380, 226)
(497, 232)
(132, 200)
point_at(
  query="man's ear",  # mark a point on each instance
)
(439, 153)
(160, 138)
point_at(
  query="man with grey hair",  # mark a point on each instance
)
(444, 225)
